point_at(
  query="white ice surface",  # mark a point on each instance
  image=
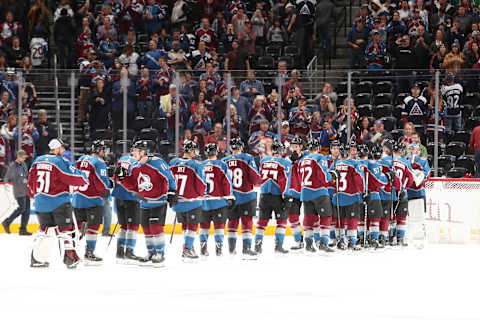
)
(439, 282)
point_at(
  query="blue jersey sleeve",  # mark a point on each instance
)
(102, 172)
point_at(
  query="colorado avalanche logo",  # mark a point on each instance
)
(144, 183)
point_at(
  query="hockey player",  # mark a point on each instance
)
(88, 200)
(452, 95)
(152, 182)
(374, 180)
(331, 159)
(191, 185)
(348, 197)
(128, 211)
(416, 196)
(49, 181)
(219, 186)
(244, 175)
(295, 189)
(316, 201)
(404, 170)
(275, 181)
(388, 194)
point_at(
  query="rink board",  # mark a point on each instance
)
(452, 212)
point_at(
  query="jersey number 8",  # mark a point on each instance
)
(236, 175)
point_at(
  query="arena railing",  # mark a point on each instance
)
(375, 93)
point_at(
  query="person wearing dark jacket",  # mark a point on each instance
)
(100, 106)
(17, 174)
(357, 41)
(15, 53)
(404, 63)
(324, 15)
(47, 131)
(117, 101)
(64, 33)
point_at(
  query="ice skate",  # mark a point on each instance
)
(258, 246)
(247, 253)
(37, 264)
(203, 249)
(218, 249)
(279, 248)
(71, 259)
(91, 259)
(309, 249)
(130, 257)
(189, 255)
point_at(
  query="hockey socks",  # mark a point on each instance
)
(122, 238)
(293, 218)
(280, 231)
(219, 231)
(189, 231)
(374, 228)
(91, 237)
(401, 227)
(131, 236)
(154, 238)
(247, 225)
(316, 228)
(352, 226)
(260, 230)
(325, 223)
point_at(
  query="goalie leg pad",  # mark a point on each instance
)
(45, 240)
(416, 219)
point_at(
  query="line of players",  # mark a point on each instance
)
(331, 189)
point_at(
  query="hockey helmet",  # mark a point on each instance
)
(236, 144)
(189, 146)
(352, 145)
(143, 145)
(335, 143)
(344, 152)
(377, 151)
(277, 147)
(363, 150)
(211, 149)
(398, 147)
(97, 146)
(313, 144)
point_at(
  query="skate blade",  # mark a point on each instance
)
(73, 265)
(92, 263)
(190, 260)
(311, 254)
(203, 258)
(248, 257)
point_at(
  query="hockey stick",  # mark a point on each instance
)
(366, 212)
(338, 211)
(401, 190)
(112, 235)
(173, 229)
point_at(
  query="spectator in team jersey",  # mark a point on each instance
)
(29, 138)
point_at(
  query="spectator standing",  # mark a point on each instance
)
(100, 106)
(277, 34)
(9, 29)
(437, 60)
(176, 56)
(236, 60)
(357, 41)
(154, 17)
(197, 59)
(375, 53)
(260, 140)
(324, 15)
(454, 61)
(164, 77)
(168, 107)
(300, 118)
(15, 53)
(129, 59)
(47, 131)
(6, 132)
(251, 87)
(151, 59)
(38, 18)
(29, 138)
(6, 106)
(404, 62)
(475, 149)
(117, 100)
(217, 135)
(109, 49)
(63, 33)
(144, 91)
(242, 104)
(200, 124)
(206, 34)
(246, 38)
(259, 24)
(17, 173)
(451, 95)
(362, 129)
(304, 17)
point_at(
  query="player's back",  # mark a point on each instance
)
(190, 183)
(153, 180)
(295, 188)
(385, 192)
(376, 179)
(274, 175)
(314, 176)
(218, 184)
(244, 175)
(403, 169)
(350, 182)
(120, 192)
(90, 195)
(49, 182)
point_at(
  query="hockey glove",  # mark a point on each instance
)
(335, 174)
(121, 173)
(106, 193)
(139, 196)
(294, 156)
(366, 197)
(172, 197)
(390, 175)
